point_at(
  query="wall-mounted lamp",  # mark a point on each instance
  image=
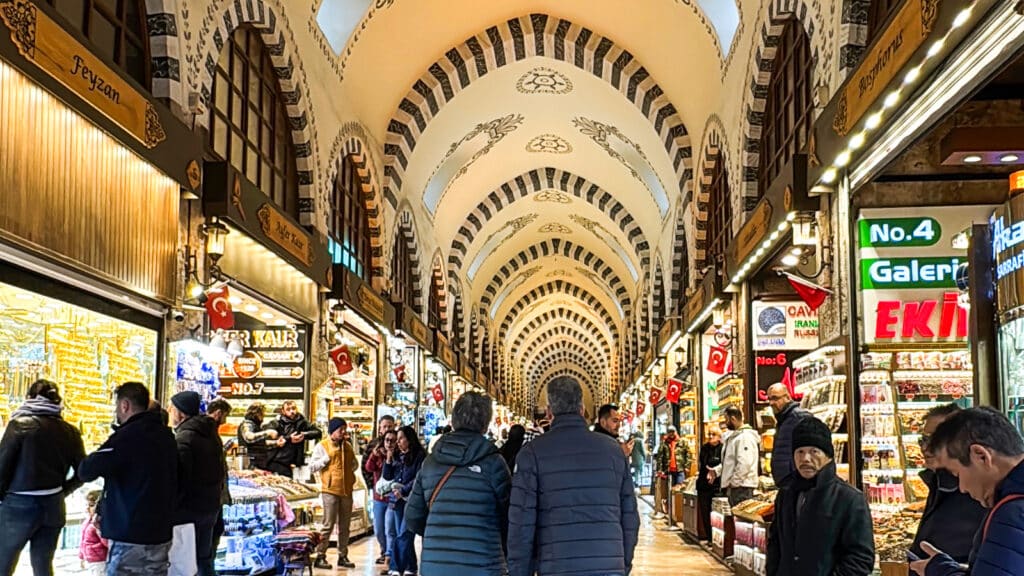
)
(214, 232)
(718, 317)
(805, 230)
(680, 354)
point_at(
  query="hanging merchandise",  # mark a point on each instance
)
(400, 388)
(218, 308)
(674, 389)
(342, 359)
(718, 360)
(640, 407)
(654, 396)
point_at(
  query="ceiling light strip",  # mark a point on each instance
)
(766, 248)
(704, 315)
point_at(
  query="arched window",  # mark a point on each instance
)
(249, 125)
(788, 117)
(719, 213)
(403, 284)
(877, 15)
(349, 226)
(434, 302)
(116, 28)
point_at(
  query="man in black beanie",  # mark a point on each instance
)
(822, 524)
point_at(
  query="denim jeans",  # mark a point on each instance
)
(34, 520)
(380, 527)
(404, 547)
(677, 477)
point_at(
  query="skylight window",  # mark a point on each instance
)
(337, 20)
(724, 16)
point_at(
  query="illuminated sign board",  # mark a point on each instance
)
(889, 273)
(899, 232)
(1007, 226)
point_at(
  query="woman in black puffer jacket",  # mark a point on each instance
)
(464, 531)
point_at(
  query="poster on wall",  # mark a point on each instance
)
(789, 325)
(909, 259)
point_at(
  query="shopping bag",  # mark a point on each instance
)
(183, 551)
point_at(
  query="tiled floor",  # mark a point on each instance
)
(658, 553)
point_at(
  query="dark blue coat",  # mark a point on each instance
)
(782, 451)
(464, 532)
(573, 510)
(951, 518)
(403, 470)
(1001, 553)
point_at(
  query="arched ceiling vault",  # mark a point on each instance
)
(546, 144)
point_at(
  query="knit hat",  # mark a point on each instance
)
(334, 424)
(813, 432)
(186, 402)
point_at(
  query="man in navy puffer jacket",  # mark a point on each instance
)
(464, 530)
(573, 511)
(986, 453)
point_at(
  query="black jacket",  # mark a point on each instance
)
(201, 469)
(831, 536)
(782, 451)
(950, 519)
(254, 438)
(573, 510)
(37, 452)
(710, 456)
(464, 533)
(292, 454)
(139, 466)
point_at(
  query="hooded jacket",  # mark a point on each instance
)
(573, 511)
(139, 465)
(828, 534)
(465, 530)
(201, 469)
(999, 553)
(951, 518)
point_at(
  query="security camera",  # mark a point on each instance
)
(178, 315)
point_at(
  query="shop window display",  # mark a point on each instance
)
(400, 389)
(432, 399)
(349, 393)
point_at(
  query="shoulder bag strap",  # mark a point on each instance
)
(437, 489)
(1011, 497)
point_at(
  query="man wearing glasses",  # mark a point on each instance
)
(951, 517)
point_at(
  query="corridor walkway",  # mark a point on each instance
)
(659, 552)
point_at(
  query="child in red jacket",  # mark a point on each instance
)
(93, 548)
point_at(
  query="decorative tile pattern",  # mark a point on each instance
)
(543, 80)
(517, 40)
(549, 143)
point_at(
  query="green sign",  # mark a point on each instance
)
(900, 273)
(899, 232)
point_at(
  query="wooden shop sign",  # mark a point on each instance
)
(419, 331)
(754, 231)
(279, 230)
(888, 55)
(46, 44)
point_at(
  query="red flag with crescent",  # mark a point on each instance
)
(438, 393)
(342, 359)
(640, 407)
(718, 358)
(654, 396)
(218, 308)
(674, 390)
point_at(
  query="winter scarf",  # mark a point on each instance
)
(38, 406)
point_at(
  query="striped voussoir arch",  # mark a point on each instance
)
(576, 372)
(560, 350)
(515, 40)
(263, 16)
(658, 297)
(779, 12)
(644, 302)
(405, 232)
(853, 34)
(713, 154)
(557, 356)
(553, 316)
(538, 180)
(557, 287)
(356, 151)
(681, 264)
(164, 50)
(562, 332)
(557, 247)
(439, 290)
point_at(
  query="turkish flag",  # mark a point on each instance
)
(675, 388)
(342, 359)
(640, 407)
(654, 396)
(399, 372)
(438, 393)
(718, 359)
(808, 291)
(218, 308)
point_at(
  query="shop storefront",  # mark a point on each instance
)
(435, 393)
(407, 356)
(463, 380)
(91, 183)
(1007, 235)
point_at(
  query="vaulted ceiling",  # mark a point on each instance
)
(547, 145)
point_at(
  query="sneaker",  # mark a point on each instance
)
(321, 562)
(345, 563)
(408, 573)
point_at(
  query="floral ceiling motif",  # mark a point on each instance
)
(550, 143)
(556, 196)
(555, 228)
(543, 80)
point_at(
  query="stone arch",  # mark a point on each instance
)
(682, 267)
(558, 247)
(518, 39)
(553, 316)
(354, 147)
(536, 388)
(264, 16)
(713, 154)
(405, 232)
(820, 36)
(548, 357)
(535, 181)
(659, 308)
(853, 34)
(164, 47)
(557, 287)
(438, 290)
(560, 332)
(644, 327)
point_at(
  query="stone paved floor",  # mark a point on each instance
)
(659, 553)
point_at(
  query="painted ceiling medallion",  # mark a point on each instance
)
(550, 143)
(555, 228)
(543, 80)
(555, 196)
